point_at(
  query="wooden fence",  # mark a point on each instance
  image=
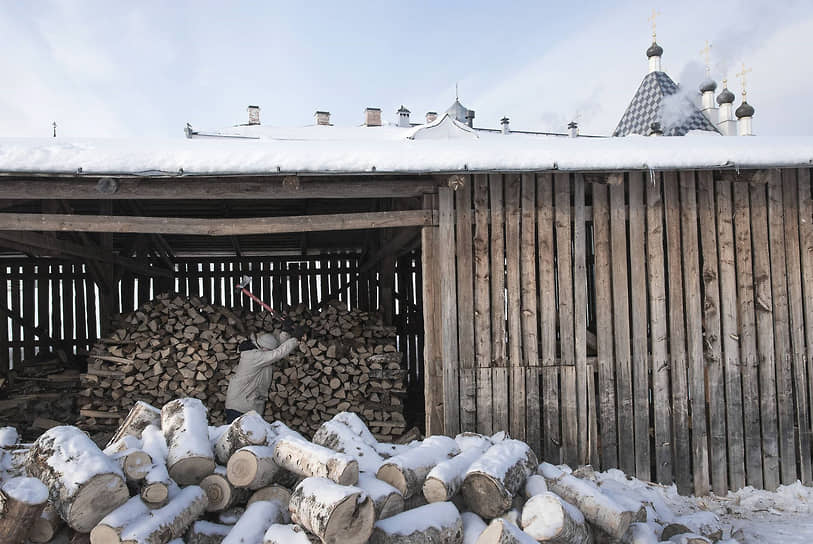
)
(662, 324)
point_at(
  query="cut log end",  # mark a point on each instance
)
(218, 491)
(102, 534)
(393, 476)
(191, 470)
(155, 493)
(485, 496)
(93, 501)
(351, 522)
(242, 469)
(137, 464)
(434, 491)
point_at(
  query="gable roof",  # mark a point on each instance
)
(675, 117)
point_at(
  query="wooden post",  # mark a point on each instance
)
(465, 306)
(499, 376)
(433, 376)
(448, 312)
(528, 294)
(806, 251)
(482, 305)
(516, 372)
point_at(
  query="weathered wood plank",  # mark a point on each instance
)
(4, 330)
(16, 329)
(564, 270)
(43, 300)
(551, 435)
(781, 329)
(28, 310)
(465, 306)
(516, 389)
(604, 328)
(677, 335)
(763, 302)
(711, 324)
(67, 302)
(796, 313)
(640, 355)
(433, 371)
(658, 330)
(90, 293)
(482, 304)
(586, 410)
(81, 311)
(499, 375)
(806, 254)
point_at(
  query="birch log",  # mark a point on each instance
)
(253, 524)
(335, 513)
(407, 472)
(84, 484)
(272, 492)
(285, 534)
(140, 416)
(133, 460)
(346, 433)
(534, 485)
(45, 526)
(220, 492)
(108, 530)
(21, 503)
(446, 478)
(500, 531)
(437, 522)
(497, 476)
(598, 508)
(247, 430)
(548, 518)
(473, 527)
(168, 522)
(312, 460)
(252, 467)
(206, 532)
(387, 501)
(190, 457)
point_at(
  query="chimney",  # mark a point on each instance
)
(431, 116)
(372, 117)
(725, 119)
(253, 115)
(573, 129)
(470, 118)
(505, 128)
(403, 117)
(322, 118)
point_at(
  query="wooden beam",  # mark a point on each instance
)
(214, 188)
(214, 227)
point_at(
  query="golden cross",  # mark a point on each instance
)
(652, 20)
(706, 52)
(743, 73)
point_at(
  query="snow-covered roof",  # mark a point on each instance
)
(338, 150)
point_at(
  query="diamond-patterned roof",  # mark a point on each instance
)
(647, 107)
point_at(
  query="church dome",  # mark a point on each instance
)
(654, 50)
(460, 113)
(725, 97)
(745, 110)
(708, 85)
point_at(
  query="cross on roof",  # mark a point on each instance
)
(706, 52)
(742, 74)
(54, 125)
(651, 19)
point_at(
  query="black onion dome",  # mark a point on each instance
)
(708, 85)
(654, 50)
(745, 110)
(725, 97)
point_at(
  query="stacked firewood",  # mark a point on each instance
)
(183, 346)
(259, 482)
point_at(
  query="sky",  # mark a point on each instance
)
(145, 69)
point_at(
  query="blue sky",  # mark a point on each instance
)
(144, 69)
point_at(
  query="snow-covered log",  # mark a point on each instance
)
(500, 531)
(220, 492)
(642, 533)
(231, 516)
(133, 460)
(534, 485)
(154, 488)
(473, 527)
(470, 440)
(247, 430)
(285, 534)
(407, 472)
(446, 478)
(497, 476)
(140, 416)
(46, 526)
(548, 518)
(8, 436)
(254, 523)
(83, 483)
(206, 532)
(168, 522)
(335, 513)
(252, 467)
(108, 530)
(21, 503)
(598, 508)
(346, 433)
(387, 501)
(312, 460)
(190, 457)
(436, 522)
(273, 492)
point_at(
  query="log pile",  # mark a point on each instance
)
(176, 346)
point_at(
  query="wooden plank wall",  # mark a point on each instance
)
(663, 324)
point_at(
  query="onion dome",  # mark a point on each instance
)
(708, 85)
(745, 110)
(654, 50)
(725, 97)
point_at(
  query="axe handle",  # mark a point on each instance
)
(251, 295)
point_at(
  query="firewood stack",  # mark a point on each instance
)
(176, 346)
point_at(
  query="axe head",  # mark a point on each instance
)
(244, 283)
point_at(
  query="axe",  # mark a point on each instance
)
(287, 326)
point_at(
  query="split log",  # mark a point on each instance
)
(497, 476)
(168, 522)
(190, 457)
(254, 523)
(387, 501)
(247, 430)
(220, 492)
(500, 531)
(252, 467)
(446, 478)
(346, 433)
(45, 526)
(548, 518)
(436, 522)
(285, 534)
(108, 530)
(140, 415)
(311, 460)
(206, 532)
(473, 527)
(22, 500)
(334, 513)
(534, 485)
(598, 508)
(406, 472)
(154, 490)
(84, 484)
